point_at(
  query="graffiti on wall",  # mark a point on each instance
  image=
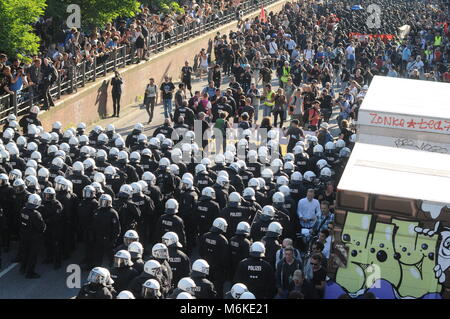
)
(393, 259)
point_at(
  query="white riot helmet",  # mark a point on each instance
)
(171, 238)
(122, 258)
(234, 197)
(110, 171)
(209, 192)
(322, 163)
(352, 138)
(164, 163)
(187, 285)
(125, 294)
(268, 211)
(15, 174)
(187, 183)
(105, 201)
(185, 295)
(129, 237)
(123, 156)
(201, 266)
(278, 198)
(249, 194)
(154, 142)
(237, 290)
(274, 230)
(252, 155)
(289, 167)
(330, 147)
(78, 167)
(309, 176)
(119, 143)
(89, 163)
(139, 127)
(136, 188)
(229, 157)
(206, 161)
(254, 183)
(222, 180)
(285, 190)
(136, 249)
(318, 149)
(152, 267)
(340, 144)
(21, 141)
(100, 275)
(296, 177)
(219, 159)
(171, 206)
(34, 201)
(151, 289)
(235, 167)
(110, 128)
(243, 228)
(267, 174)
(257, 249)
(102, 139)
(200, 168)
(325, 172)
(289, 157)
(88, 192)
(247, 295)
(282, 180)
(343, 153)
(125, 191)
(135, 157)
(160, 251)
(149, 178)
(220, 224)
(99, 178)
(30, 171)
(230, 148)
(272, 134)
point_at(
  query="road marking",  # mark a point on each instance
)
(10, 267)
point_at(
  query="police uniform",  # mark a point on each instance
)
(205, 212)
(105, 229)
(179, 263)
(239, 248)
(258, 275)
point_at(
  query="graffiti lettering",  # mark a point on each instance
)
(410, 143)
(410, 123)
(393, 260)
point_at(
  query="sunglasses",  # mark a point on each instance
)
(314, 264)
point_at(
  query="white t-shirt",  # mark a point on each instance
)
(350, 51)
(273, 47)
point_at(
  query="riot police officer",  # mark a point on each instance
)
(234, 213)
(147, 208)
(122, 272)
(204, 289)
(170, 222)
(105, 229)
(136, 251)
(206, 210)
(52, 213)
(129, 213)
(271, 243)
(160, 252)
(32, 229)
(256, 273)
(179, 262)
(239, 245)
(214, 248)
(152, 270)
(99, 285)
(85, 212)
(188, 200)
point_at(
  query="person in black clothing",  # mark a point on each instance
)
(98, 286)
(49, 76)
(326, 105)
(179, 262)
(116, 83)
(294, 133)
(204, 289)
(303, 286)
(122, 272)
(319, 274)
(31, 231)
(30, 118)
(239, 245)
(186, 77)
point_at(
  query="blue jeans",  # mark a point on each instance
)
(167, 108)
(266, 110)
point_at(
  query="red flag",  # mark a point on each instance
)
(262, 16)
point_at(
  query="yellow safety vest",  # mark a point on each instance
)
(437, 40)
(286, 74)
(268, 97)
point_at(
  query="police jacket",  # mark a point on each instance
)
(122, 277)
(96, 291)
(204, 288)
(106, 224)
(205, 212)
(214, 248)
(258, 275)
(170, 222)
(129, 214)
(179, 263)
(239, 249)
(52, 213)
(32, 224)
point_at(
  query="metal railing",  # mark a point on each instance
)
(20, 102)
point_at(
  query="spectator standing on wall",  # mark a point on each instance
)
(116, 84)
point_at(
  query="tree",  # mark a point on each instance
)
(94, 13)
(17, 38)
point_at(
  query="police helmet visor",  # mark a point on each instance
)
(150, 293)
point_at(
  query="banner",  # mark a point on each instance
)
(365, 37)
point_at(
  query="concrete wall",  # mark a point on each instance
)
(94, 101)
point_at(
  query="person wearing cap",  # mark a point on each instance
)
(324, 135)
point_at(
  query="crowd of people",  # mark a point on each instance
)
(251, 201)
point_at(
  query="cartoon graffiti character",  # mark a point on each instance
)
(443, 251)
(381, 254)
(416, 253)
(355, 236)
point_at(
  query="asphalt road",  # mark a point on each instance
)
(65, 282)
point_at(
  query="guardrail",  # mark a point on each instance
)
(79, 75)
